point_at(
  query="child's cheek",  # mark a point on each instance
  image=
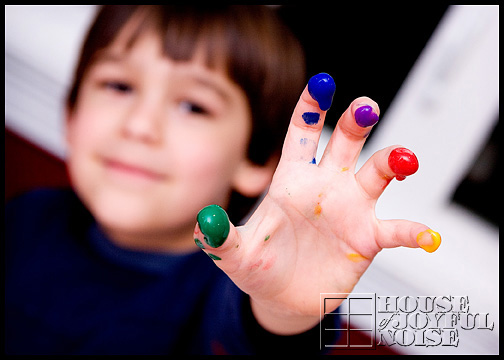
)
(88, 126)
(203, 165)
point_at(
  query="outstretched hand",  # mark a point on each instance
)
(316, 230)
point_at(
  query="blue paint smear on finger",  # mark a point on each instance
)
(311, 118)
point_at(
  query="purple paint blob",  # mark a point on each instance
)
(365, 117)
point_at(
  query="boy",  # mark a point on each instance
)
(173, 109)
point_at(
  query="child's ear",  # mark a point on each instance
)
(251, 180)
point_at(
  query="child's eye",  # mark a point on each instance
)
(191, 107)
(118, 86)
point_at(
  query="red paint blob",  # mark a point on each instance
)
(403, 163)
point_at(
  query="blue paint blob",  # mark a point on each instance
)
(311, 118)
(314, 161)
(321, 88)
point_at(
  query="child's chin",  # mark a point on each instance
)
(138, 217)
(122, 212)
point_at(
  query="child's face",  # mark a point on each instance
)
(152, 141)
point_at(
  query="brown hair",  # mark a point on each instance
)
(259, 52)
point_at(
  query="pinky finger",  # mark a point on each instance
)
(394, 233)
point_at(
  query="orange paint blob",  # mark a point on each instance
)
(318, 210)
(429, 240)
(356, 257)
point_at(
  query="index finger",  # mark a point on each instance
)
(308, 118)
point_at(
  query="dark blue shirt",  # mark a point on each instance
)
(69, 290)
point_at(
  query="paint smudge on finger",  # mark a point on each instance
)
(354, 257)
(213, 257)
(318, 208)
(199, 243)
(311, 118)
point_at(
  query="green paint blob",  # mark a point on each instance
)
(199, 243)
(213, 257)
(214, 224)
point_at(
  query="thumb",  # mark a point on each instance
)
(218, 238)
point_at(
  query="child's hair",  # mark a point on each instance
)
(260, 54)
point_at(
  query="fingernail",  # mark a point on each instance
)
(429, 240)
(214, 224)
(321, 88)
(403, 162)
(365, 116)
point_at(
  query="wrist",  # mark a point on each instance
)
(280, 322)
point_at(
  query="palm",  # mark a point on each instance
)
(312, 245)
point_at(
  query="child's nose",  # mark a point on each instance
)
(143, 123)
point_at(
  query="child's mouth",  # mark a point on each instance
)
(125, 170)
